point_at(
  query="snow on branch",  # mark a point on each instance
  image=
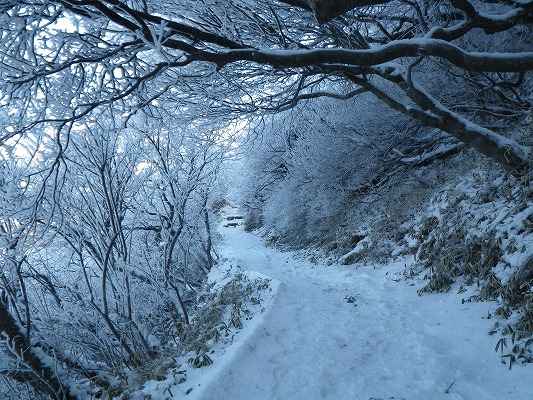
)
(469, 61)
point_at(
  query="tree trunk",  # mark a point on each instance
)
(516, 159)
(32, 370)
(326, 10)
(513, 157)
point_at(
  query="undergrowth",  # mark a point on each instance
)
(220, 312)
(480, 231)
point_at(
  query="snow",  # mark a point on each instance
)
(198, 378)
(222, 353)
(354, 332)
(442, 148)
(345, 259)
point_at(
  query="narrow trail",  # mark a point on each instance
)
(347, 332)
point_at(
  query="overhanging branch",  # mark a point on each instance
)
(468, 61)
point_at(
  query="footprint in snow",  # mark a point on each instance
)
(351, 300)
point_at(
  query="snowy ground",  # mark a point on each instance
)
(356, 332)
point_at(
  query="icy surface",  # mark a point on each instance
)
(355, 332)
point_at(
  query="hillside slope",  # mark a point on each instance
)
(360, 332)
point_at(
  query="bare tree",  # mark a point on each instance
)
(100, 266)
(24, 359)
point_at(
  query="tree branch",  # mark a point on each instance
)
(468, 61)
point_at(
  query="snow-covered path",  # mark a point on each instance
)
(346, 332)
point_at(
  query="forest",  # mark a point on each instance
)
(364, 131)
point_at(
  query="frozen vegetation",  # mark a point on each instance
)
(266, 199)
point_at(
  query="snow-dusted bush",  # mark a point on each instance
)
(221, 308)
(477, 226)
(480, 228)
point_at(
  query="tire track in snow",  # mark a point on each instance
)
(355, 333)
